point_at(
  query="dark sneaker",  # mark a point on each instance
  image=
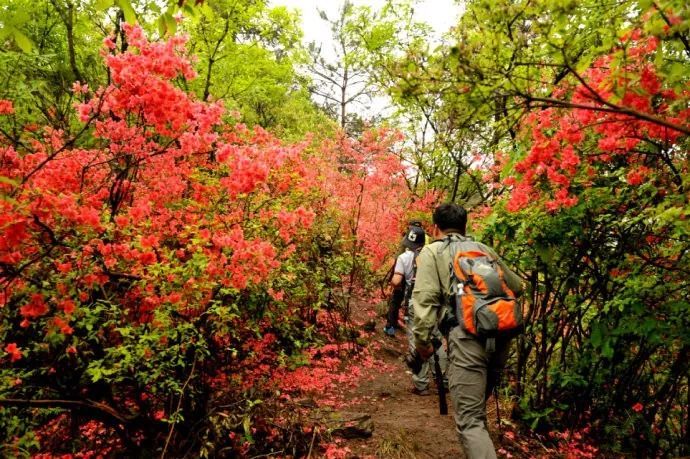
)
(388, 330)
(420, 392)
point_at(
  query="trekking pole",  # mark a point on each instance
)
(498, 412)
(442, 403)
(386, 279)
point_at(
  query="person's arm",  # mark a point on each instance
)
(397, 280)
(426, 300)
(398, 273)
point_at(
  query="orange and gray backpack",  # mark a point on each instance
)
(481, 301)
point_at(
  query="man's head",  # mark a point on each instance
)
(414, 238)
(450, 216)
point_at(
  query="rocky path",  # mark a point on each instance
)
(374, 413)
(405, 425)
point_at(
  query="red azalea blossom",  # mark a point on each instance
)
(36, 307)
(637, 407)
(185, 232)
(6, 107)
(637, 176)
(63, 326)
(555, 136)
(14, 352)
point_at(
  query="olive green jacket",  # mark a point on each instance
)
(432, 284)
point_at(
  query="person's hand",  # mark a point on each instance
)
(425, 351)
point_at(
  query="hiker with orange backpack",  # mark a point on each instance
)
(465, 289)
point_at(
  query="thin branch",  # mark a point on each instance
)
(609, 108)
(680, 36)
(100, 409)
(311, 445)
(212, 59)
(67, 144)
(177, 410)
(327, 78)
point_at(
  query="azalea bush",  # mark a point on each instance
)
(596, 221)
(163, 261)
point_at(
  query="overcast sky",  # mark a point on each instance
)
(441, 15)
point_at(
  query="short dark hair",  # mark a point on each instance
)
(450, 216)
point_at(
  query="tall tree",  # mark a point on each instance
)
(404, 64)
(340, 80)
(247, 56)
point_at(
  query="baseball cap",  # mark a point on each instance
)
(414, 238)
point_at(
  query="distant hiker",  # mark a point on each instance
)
(412, 242)
(403, 282)
(465, 288)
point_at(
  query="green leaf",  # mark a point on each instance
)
(101, 5)
(170, 24)
(247, 426)
(95, 373)
(545, 252)
(8, 199)
(676, 71)
(8, 181)
(128, 11)
(162, 28)
(20, 17)
(607, 350)
(190, 9)
(595, 337)
(5, 32)
(24, 43)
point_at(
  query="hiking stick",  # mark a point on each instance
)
(438, 376)
(498, 413)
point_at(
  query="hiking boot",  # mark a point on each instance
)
(389, 330)
(420, 392)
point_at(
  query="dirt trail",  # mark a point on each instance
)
(405, 425)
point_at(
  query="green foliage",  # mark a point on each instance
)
(247, 53)
(609, 313)
(607, 276)
(247, 56)
(441, 127)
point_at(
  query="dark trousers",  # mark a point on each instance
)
(394, 307)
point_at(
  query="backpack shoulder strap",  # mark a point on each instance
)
(450, 239)
(410, 286)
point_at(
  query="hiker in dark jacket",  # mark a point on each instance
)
(403, 280)
(472, 370)
(413, 240)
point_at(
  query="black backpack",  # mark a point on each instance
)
(410, 287)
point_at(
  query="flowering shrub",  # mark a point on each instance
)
(161, 262)
(597, 222)
(568, 148)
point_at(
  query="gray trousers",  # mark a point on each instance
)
(472, 376)
(421, 379)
